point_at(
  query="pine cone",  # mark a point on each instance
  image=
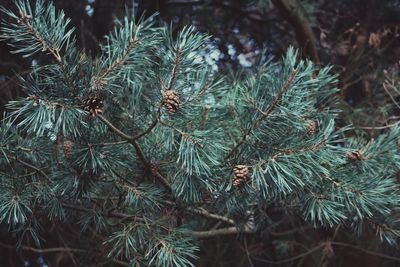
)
(93, 105)
(355, 155)
(240, 174)
(35, 100)
(68, 148)
(171, 101)
(312, 127)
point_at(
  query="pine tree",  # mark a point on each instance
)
(146, 148)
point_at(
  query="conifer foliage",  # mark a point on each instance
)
(147, 148)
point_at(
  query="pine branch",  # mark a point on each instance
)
(24, 20)
(119, 61)
(264, 114)
(339, 185)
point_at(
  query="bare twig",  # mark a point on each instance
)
(377, 254)
(111, 144)
(222, 232)
(29, 166)
(302, 255)
(44, 250)
(114, 214)
(205, 213)
(390, 95)
(379, 127)
(210, 215)
(247, 253)
(52, 250)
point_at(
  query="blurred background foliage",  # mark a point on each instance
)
(360, 38)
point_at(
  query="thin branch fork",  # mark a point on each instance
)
(29, 166)
(127, 137)
(138, 149)
(265, 114)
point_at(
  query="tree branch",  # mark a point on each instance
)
(29, 166)
(302, 255)
(44, 250)
(60, 249)
(297, 16)
(127, 137)
(377, 254)
(114, 214)
(139, 151)
(266, 113)
(210, 215)
(120, 60)
(222, 232)
(205, 213)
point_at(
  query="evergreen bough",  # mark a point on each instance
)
(95, 144)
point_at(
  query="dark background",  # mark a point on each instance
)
(360, 38)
